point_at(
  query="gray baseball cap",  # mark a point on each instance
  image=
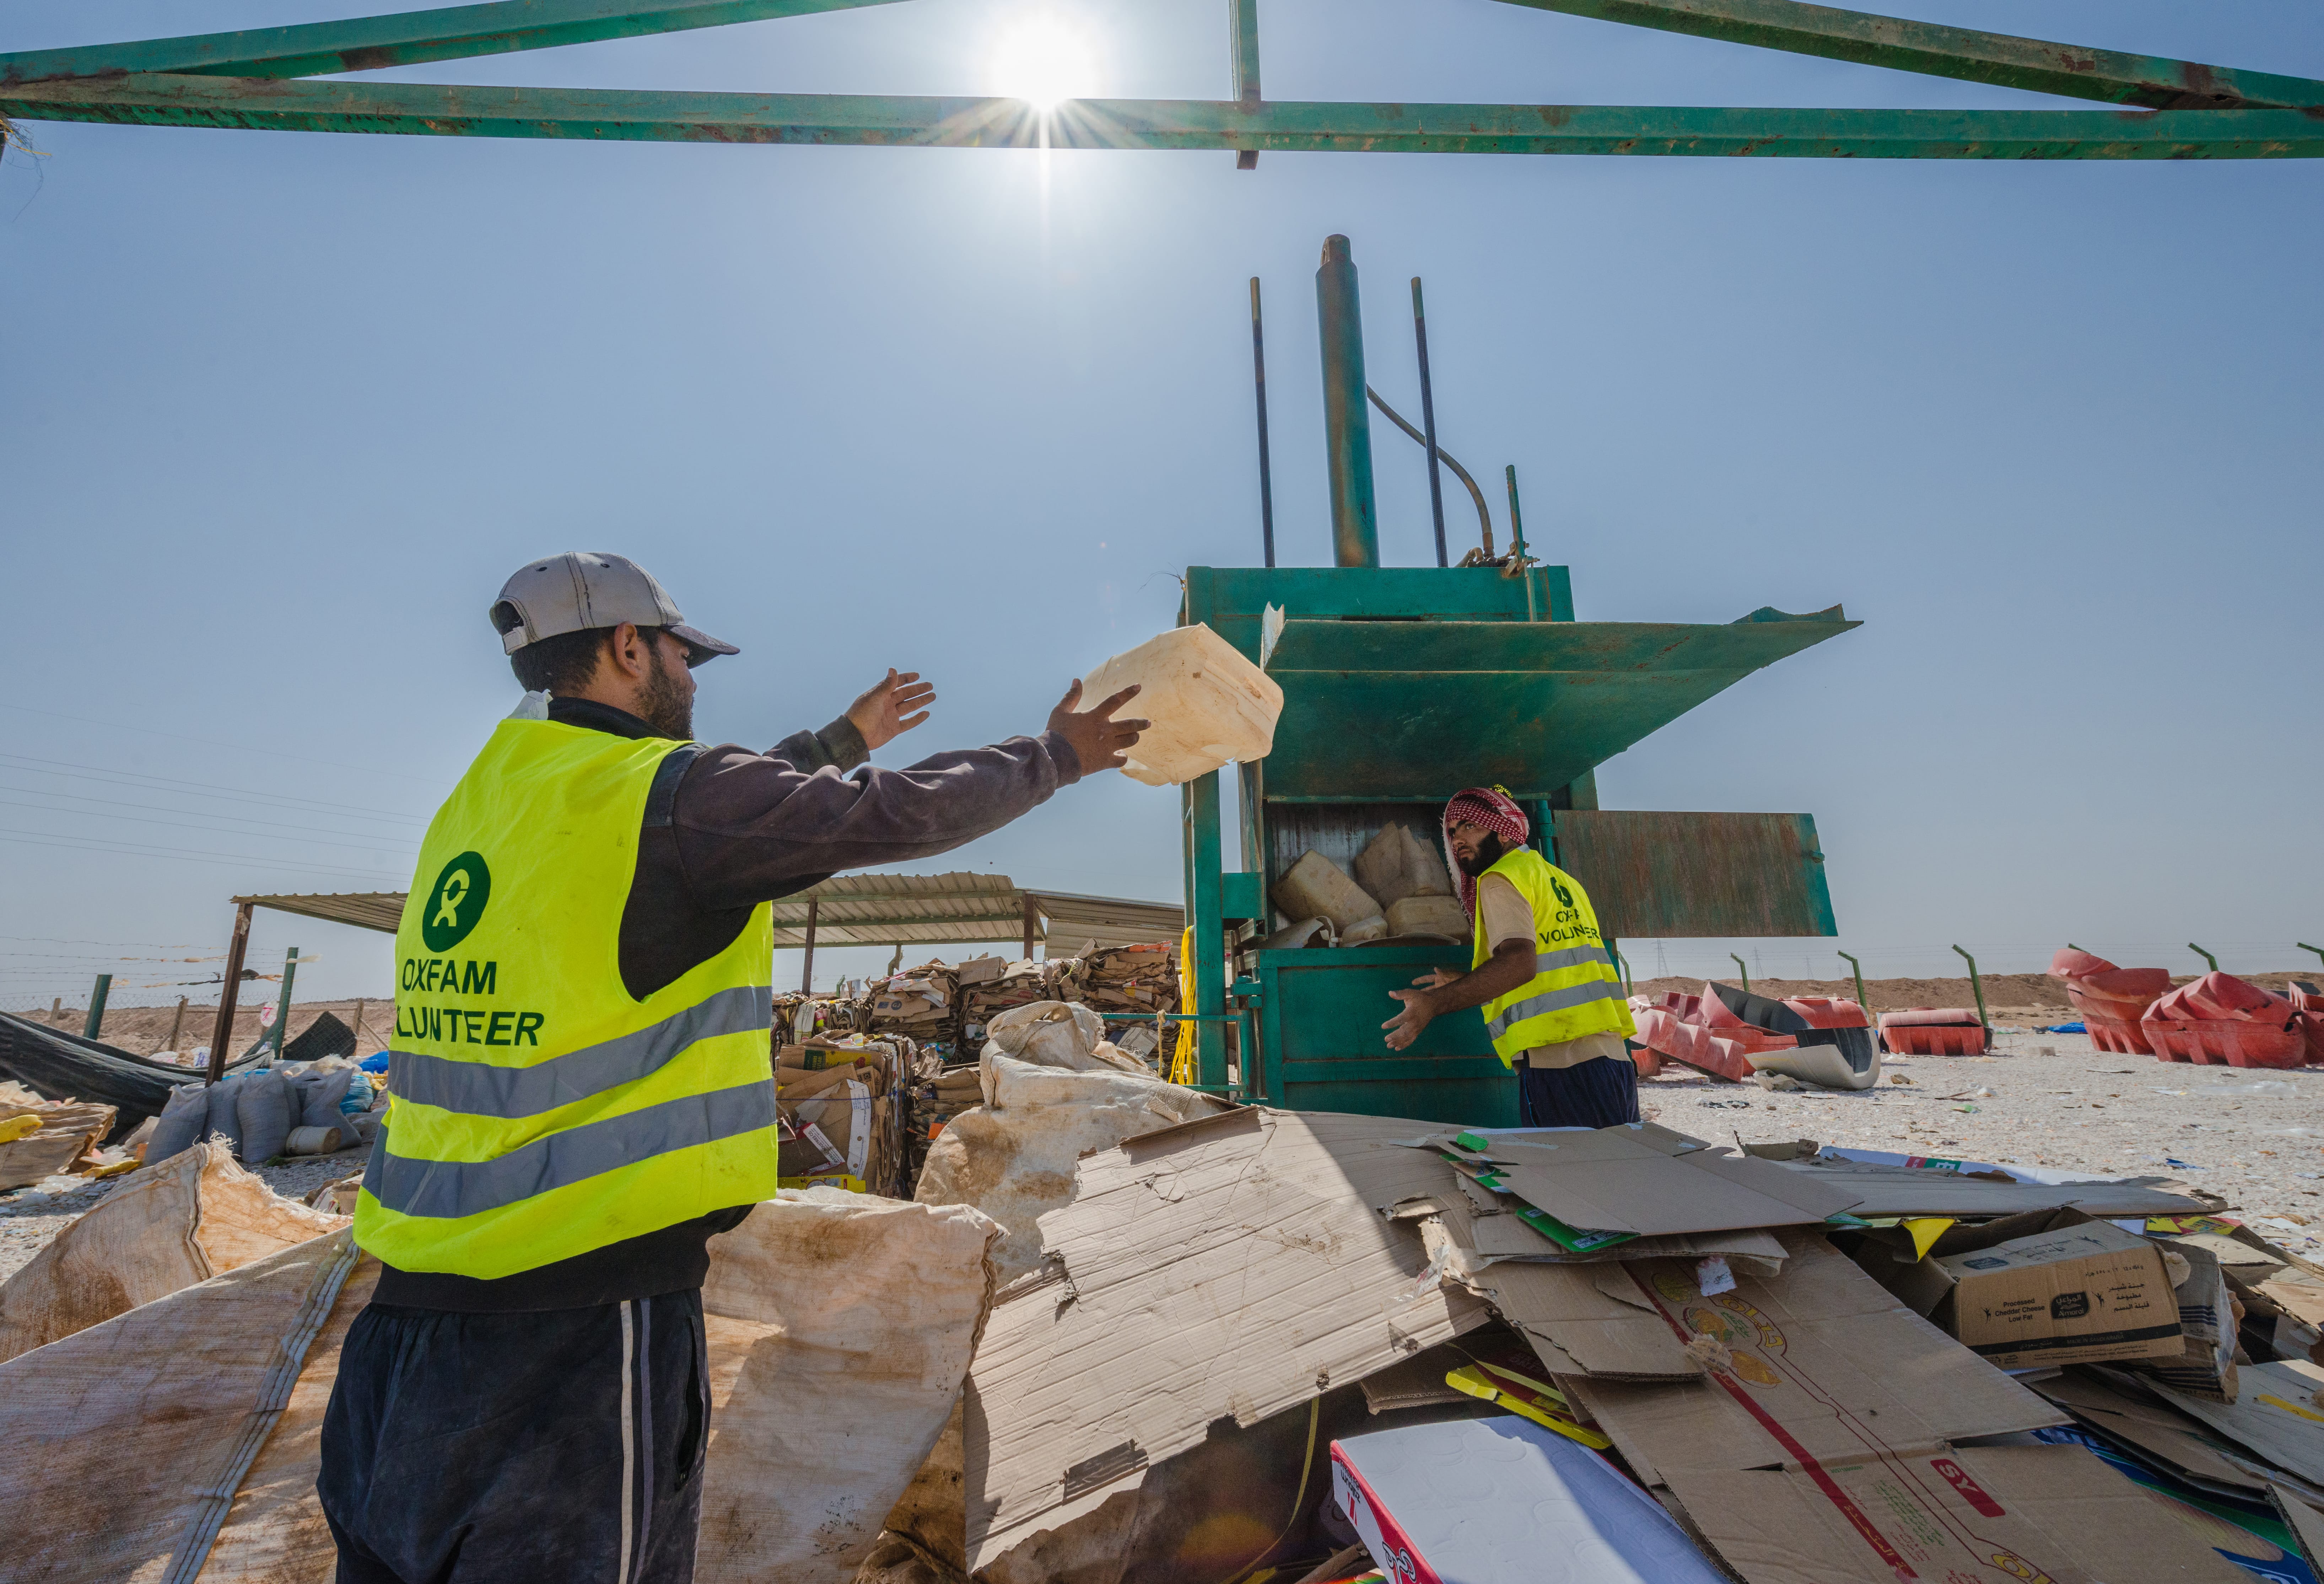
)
(577, 590)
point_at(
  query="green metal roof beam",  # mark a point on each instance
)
(617, 114)
(1936, 50)
(409, 38)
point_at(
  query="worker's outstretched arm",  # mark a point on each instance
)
(752, 827)
(1512, 964)
(883, 712)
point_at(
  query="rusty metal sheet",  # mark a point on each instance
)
(1671, 875)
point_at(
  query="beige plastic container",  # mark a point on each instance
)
(1398, 864)
(1208, 704)
(1428, 915)
(1317, 888)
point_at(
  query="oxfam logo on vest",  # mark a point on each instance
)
(455, 901)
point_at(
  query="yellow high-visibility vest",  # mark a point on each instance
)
(537, 1111)
(1576, 991)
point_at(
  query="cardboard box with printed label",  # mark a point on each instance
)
(2045, 1289)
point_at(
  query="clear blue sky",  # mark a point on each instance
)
(281, 411)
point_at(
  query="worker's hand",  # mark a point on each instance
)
(880, 714)
(1437, 978)
(1419, 1012)
(1098, 740)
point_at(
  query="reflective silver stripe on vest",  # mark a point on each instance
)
(451, 1189)
(1553, 1001)
(1571, 957)
(475, 1089)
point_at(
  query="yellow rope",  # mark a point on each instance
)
(1307, 1469)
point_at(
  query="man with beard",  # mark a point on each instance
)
(1539, 970)
(581, 1093)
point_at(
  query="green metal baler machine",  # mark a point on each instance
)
(1401, 686)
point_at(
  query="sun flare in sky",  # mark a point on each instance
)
(1045, 59)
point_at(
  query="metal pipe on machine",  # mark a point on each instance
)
(1347, 424)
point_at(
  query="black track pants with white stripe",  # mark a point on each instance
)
(560, 1446)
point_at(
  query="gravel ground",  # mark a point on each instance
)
(2253, 1137)
(30, 1217)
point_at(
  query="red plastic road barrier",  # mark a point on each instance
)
(2217, 997)
(1661, 1031)
(2112, 1000)
(2228, 1041)
(1933, 1031)
(2220, 1020)
(1829, 1012)
(2309, 1004)
(2073, 963)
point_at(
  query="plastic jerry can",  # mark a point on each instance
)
(1208, 704)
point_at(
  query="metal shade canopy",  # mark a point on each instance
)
(870, 909)
(366, 910)
(962, 908)
(2161, 108)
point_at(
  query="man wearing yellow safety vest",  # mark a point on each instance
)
(1539, 970)
(581, 1090)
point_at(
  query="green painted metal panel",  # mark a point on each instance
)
(1416, 648)
(370, 43)
(1387, 710)
(1232, 598)
(1241, 896)
(1198, 806)
(2073, 71)
(174, 99)
(1322, 1012)
(1666, 875)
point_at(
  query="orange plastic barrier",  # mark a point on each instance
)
(1700, 1031)
(1829, 1012)
(2223, 1021)
(1933, 1031)
(2309, 1002)
(2110, 1000)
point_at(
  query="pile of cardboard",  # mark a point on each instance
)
(1116, 980)
(990, 986)
(1307, 1344)
(842, 1114)
(922, 1004)
(39, 1137)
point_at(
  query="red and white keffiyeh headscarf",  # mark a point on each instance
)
(1493, 809)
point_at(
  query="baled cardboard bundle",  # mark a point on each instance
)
(1019, 984)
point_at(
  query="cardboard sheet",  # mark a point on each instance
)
(1881, 1190)
(1229, 1267)
(1592, 1332)
(1991, 1515)
(1502, 1237)
(1625, 1180)
(2274, 1414)
(2156, 1432)
(1823, 1448)
(2306, 1523)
